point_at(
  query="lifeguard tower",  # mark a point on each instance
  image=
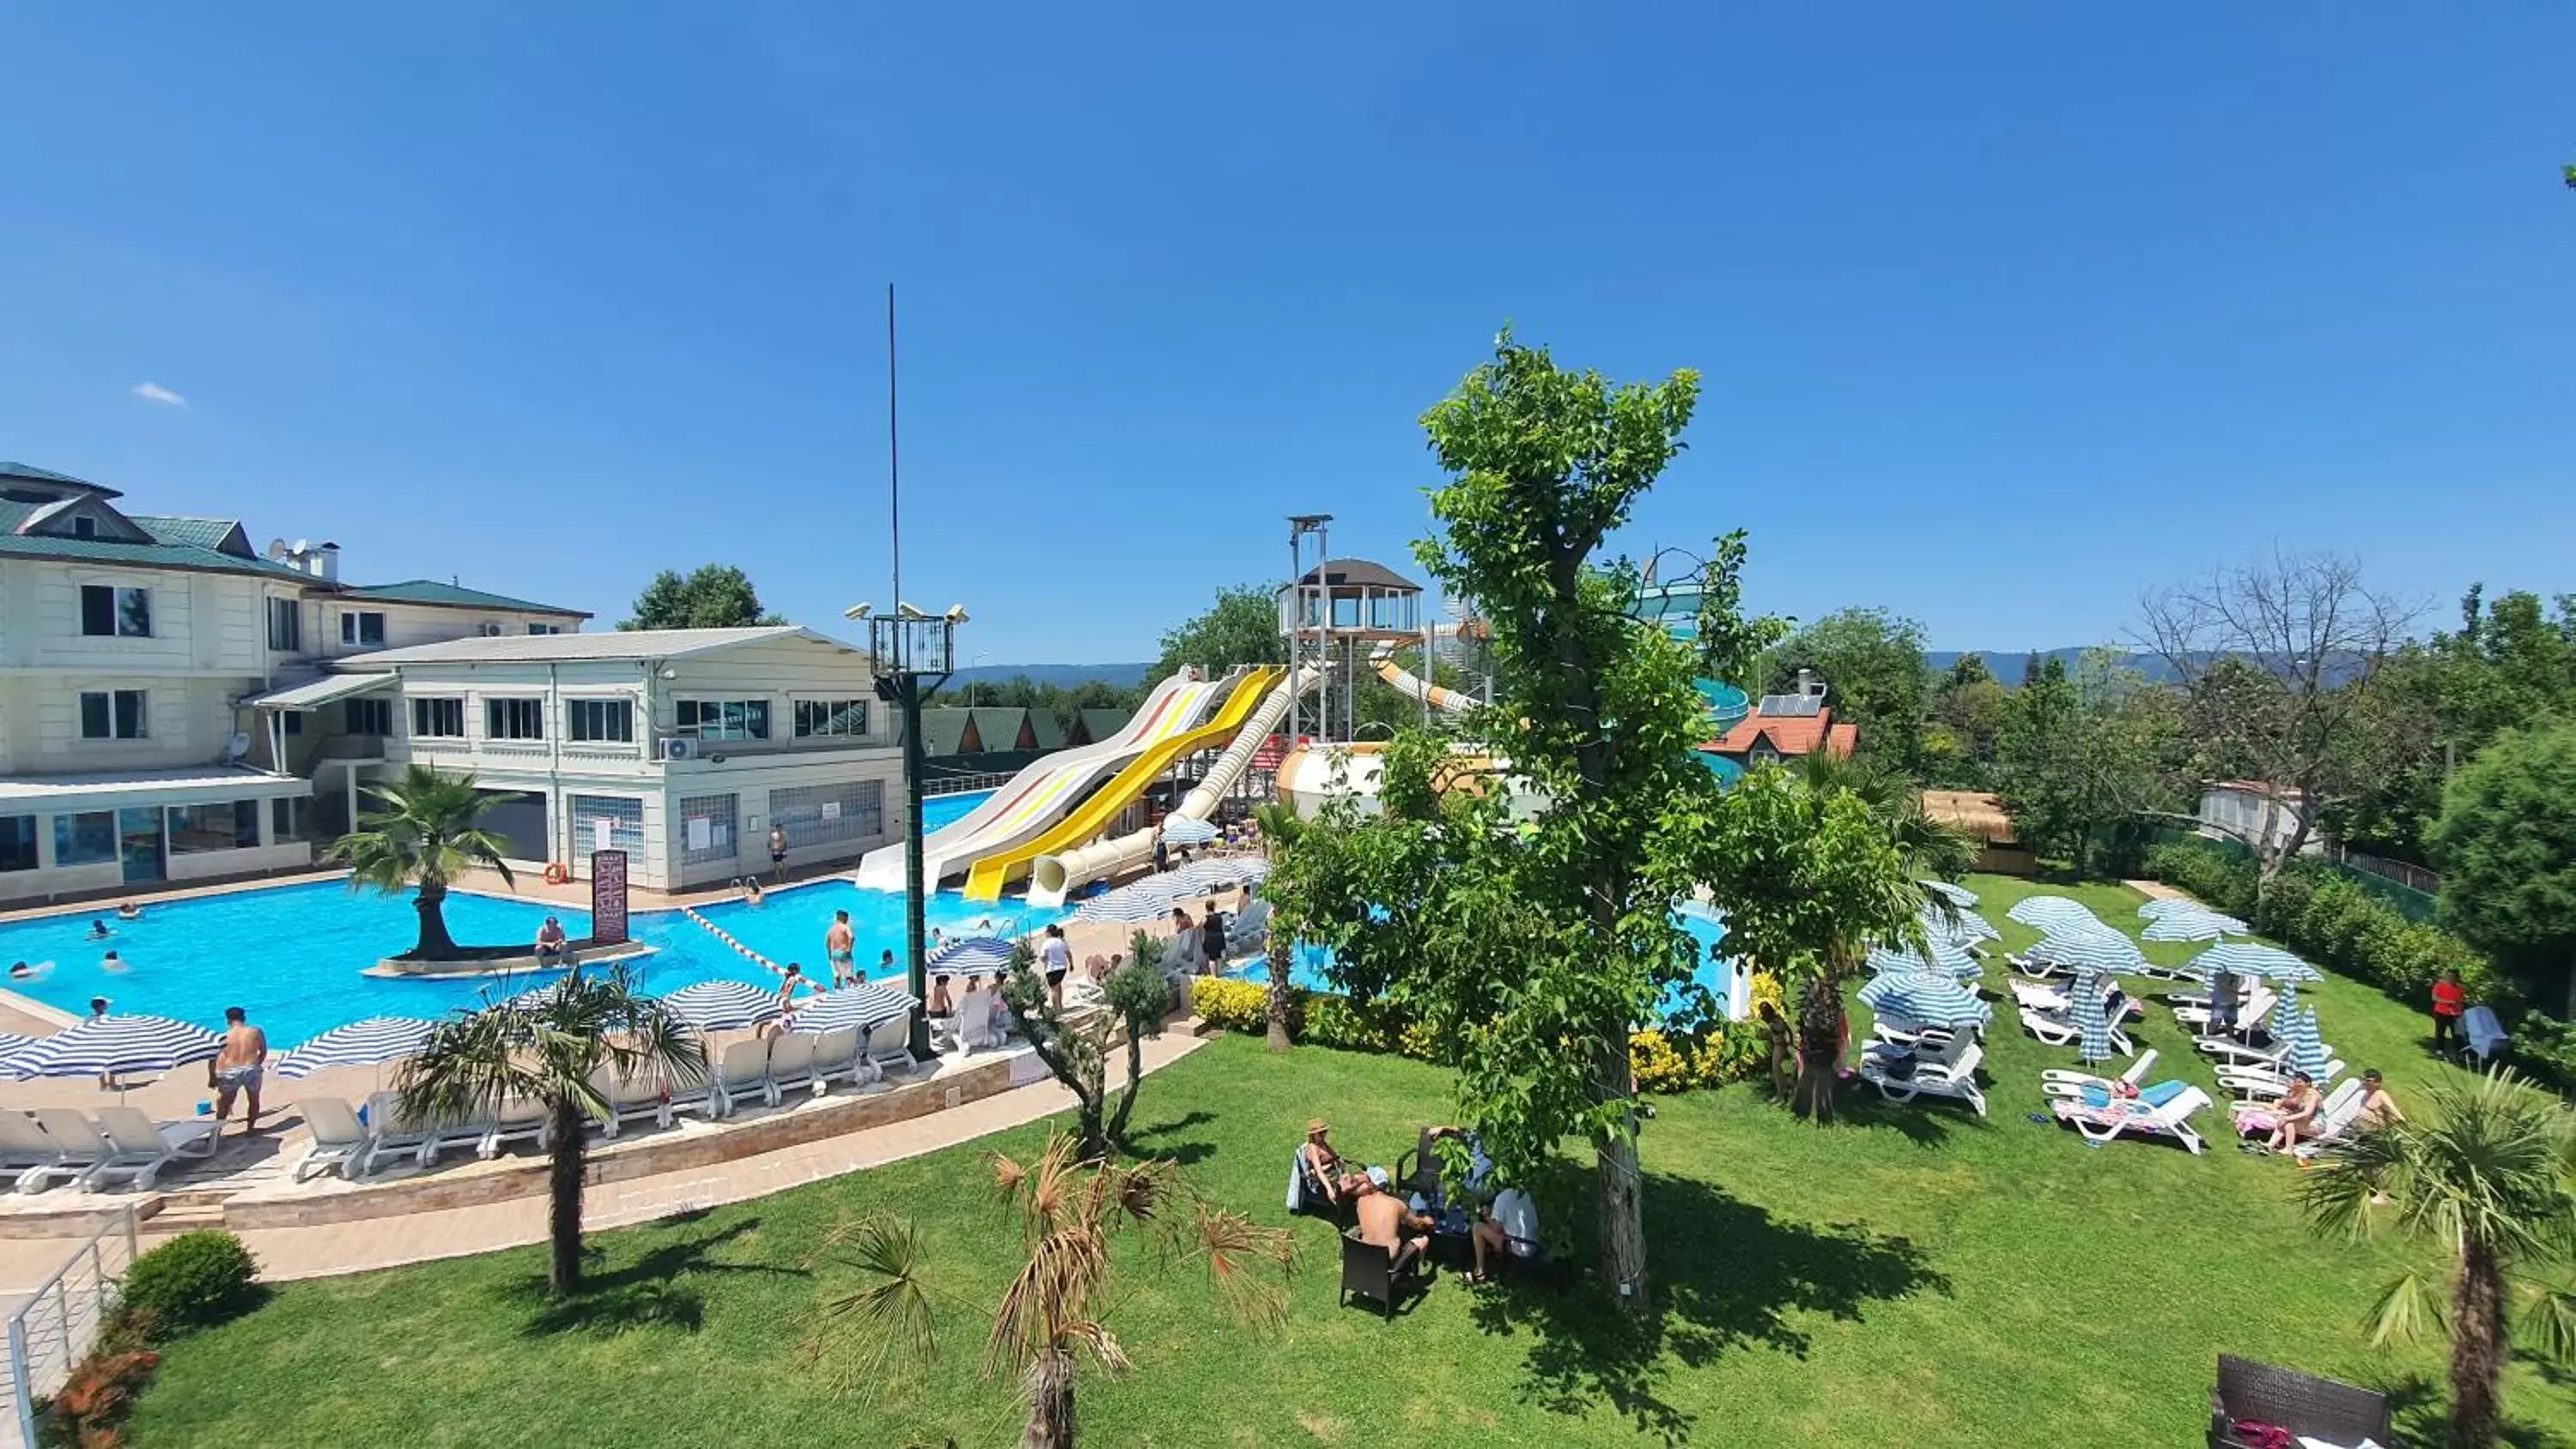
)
(1335, 613)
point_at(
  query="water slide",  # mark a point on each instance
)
(1447, 700)
(1046, 789)
(1057, 873)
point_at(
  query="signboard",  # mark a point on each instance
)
(602, 831)
(1271, 752)
(608, 895)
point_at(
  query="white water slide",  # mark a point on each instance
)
(1416, 689)
(1053, 877)
(1037, 795)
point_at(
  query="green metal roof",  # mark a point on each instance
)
(431, 591)
(943, 730)
(145, 555)
(202, 532)
(1099, 723)
(1000, 725)
(1048, 729)
(35, 474)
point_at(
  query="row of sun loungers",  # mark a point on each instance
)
(93, 1149)
(1926, 1063)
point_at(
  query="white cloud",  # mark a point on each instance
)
(155, 393)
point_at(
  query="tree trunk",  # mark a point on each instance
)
(1279, 963)
(1619, 1187)
(563, 1203)
(1051, 1402)
(2477, 1345)
(1117, 1131)
(1820, 1049)
(430, 903)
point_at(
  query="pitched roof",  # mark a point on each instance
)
(1000, 725)
(1100, 723)
(431, 591)
(178, 547)
(211, 533)
(1356, 573)
(944, 729)
(34, 474)
(614, 644)
(1048, 729)
(1787, 734)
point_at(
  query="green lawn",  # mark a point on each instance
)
(1911, 1276)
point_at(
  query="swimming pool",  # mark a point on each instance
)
(290, 955)
(944, 810)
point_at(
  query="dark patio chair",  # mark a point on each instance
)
(1314, 1202)
(2260, 1393)
(1371, 1272)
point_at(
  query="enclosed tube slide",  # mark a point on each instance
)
(1052, 877)
(1447, 700)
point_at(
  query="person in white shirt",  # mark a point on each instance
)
(1509, 1226)
(1055, 958)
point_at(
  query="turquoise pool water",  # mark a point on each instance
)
(939, 810)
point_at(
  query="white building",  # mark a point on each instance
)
(2246, 812)
(682, 747)
(130, 644)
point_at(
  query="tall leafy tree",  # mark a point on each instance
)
(2079, 752)
(427, 833)
(2506, 845)
(552, 1051)
(1874, 673)
(1076, 1047)
(1241, 627)
(2490, 1178)
(1968, 709)
(1527, 946)
(711, 596)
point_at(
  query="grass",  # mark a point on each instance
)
(1911, 1275)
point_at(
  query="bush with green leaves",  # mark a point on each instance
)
(196, 1280)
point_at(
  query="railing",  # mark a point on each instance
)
(960, 784)
(2413, 877)
(54, 1328)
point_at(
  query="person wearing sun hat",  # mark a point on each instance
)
(1325, 1166)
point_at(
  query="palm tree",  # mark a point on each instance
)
(2490, 1176)
(547, 1049)
(1070, 1209)
(425, 835)
(1279, 829)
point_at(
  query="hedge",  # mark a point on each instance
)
(1663, 1063)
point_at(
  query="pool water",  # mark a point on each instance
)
(939, 811)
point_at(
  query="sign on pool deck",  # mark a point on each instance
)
(608, 895)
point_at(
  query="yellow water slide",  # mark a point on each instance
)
(985, 881)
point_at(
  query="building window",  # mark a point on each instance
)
(88, 838)
(725, 719)
(226, 825)
(108, 612)
(821, 814)
(294, 721)
(367, 716)
(607, 822)
(598, 721)
(113, 714)
(545, 628)
(285, 626)
(706, 828)
(438, 719)
(290, 820)
(84, 528)
(17, 842)
(831, 717)
(362, 628)
(514, 719)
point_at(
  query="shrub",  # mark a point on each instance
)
(195, 1280)
(89, 1411)
(1244, 1006)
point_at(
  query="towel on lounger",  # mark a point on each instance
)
(2161, 1093)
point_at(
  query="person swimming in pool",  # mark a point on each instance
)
(113, 964)
(129, 912)
(99, 930)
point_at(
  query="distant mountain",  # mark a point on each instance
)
(1063, 676)
(2007, 665)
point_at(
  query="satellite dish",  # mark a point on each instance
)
(277, 550)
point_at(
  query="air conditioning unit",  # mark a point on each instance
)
(679, 748)
(491, 629)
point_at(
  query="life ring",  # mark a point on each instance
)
(557, 873)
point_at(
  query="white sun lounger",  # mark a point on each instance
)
(2335, 1119)
(742, 1073)
(138, 1147)
(33, 1155)
(2333, 1114)
(972, 1027)
(791, 1064)
(1956, 1080)
(629, 1099)
(517, 1121)
(2057, 1082)
(838, 1056)
(2258, 1085)
(83, 1143)
(2101, 1124)
(339, 1138)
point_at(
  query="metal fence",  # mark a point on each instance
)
(935, 785)
(2413, 877)
(54, 1327)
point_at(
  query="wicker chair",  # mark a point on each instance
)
(1373, 1273)
(2301, 1403)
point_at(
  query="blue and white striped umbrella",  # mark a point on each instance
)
(1958, 895)
(535, 996)
(2168, 905)
(11, 1043)
(2047, 913)
(2252, 958)
(2092, 1019)
(1925, 1000)
(722, 1005)
(1943, 960)
(1132, 904)
(973, 956)
(1958, 927)
(116, 1046)
(369, 1043)
(2304, 1046)
(1202, 876)
(1188, 830)
(2098, 949)
(2192, 926)
(860, 1006)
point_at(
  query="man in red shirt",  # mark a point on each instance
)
(2449, 1000)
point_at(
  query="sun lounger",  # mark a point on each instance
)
(629, 1099)
(791, 1064)
(889, 1048)
(2264, 1084)
(742, 1073)
(2056, 1082)
(2335, 1120)
(339, 1138)
(138, 1147)
(1931, 1046)
(517, 1121)
(701, 1098)
(82, 1143)
(2136, 1114)
(838, 1057)
(1956, 1079)
(2257, 1119)
(32, 1155)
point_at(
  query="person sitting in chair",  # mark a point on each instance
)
(1510, 1226)
(1387, 1222)
(1332, 1176)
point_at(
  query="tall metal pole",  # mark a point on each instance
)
(1296, 623)
(908, 691)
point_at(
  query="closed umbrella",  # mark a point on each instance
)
(1925, 1000)
(722, 1005)
(2098, 950)
(2306, 1047)
(116, 1046)
(862, 1006)
(1188, 830)
(369, 1043)
(1958, 895)
(2252, 958)
(2092, 1019)
(2192, 926)
(2047, 913)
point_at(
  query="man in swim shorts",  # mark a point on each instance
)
(237, 1068)
(841, 946)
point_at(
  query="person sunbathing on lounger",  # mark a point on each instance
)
(1325, 1165)
(2294, 1114)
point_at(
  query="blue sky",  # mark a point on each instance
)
(2005, 311)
